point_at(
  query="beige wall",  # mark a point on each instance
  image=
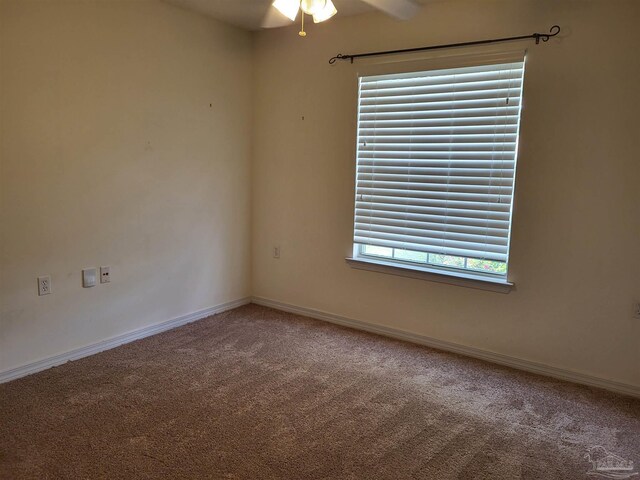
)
(110, 154)
(576, 235)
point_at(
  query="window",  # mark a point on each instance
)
(436, 161)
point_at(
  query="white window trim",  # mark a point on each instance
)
(433, 274)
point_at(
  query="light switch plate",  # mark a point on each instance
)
(89, 277)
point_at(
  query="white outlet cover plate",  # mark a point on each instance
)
(44, 285)
(89, 277)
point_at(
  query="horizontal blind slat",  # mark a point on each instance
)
(470, 158)
(447, 212)
(459, 240)
(451, 190)
(372, 88)
(497, 138)
(438, 122)
(456, 174)
(374, 214)
(440, 146)
(452, 96)
(438, 76)
(436, 129)
(425, 181)
(423, 238)
(508, 82)
(439, 112)
(405, 109)
(480, 204)
(368, 223)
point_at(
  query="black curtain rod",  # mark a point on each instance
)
(553, 31)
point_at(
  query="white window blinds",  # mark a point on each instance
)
(436, 160)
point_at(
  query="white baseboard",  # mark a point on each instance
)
(493, 357)
(118, 340)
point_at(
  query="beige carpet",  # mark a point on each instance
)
(257, 394)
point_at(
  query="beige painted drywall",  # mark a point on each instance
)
(111, 155)
(575, 254)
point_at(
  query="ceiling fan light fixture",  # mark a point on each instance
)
(311, 7)
(289, 8)
(326, 13)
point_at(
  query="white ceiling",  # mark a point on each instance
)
(251, 14)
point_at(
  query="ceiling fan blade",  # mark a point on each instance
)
(274, 19)
(401, 9)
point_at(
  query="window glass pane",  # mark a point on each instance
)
(447, 260)
(487, 266)
(410, 256)
(436, 259)
(379, 251)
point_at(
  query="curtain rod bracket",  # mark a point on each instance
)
(553, 31)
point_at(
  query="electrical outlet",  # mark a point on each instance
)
(44, 285)
(276, 252)
(636, 310)
(105, 274)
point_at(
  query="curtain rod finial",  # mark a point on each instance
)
(340, 56)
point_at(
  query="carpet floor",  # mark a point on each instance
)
(256, 393)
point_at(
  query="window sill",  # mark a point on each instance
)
(433, 275)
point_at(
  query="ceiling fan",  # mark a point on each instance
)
(322, 10)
